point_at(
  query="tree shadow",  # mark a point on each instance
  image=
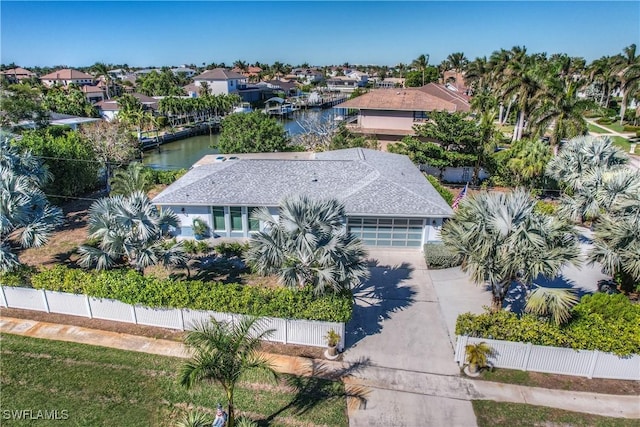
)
(316, 384)
(516, 297)
(218, 268)
(377, 298)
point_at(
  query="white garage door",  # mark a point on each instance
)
(391, 232)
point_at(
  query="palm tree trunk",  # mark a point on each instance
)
(623, 105)
(506, 116)
(500, 113)
(231, 417)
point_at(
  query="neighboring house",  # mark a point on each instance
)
(117, 74)
(66, 77)
(109, 109)
(15, 75)
(94, 93)
(388, 201)
(146, 71)
(250, 72)
(289, 88)
(187, 72)
(222, 81)
(388, 82)
(342, 84)
(360, 77)
(393, 112)
(307, 76)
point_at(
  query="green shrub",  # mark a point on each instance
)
(546, 208)
(443, 191)
(231, 249)
(132, 288)
(190, 246)
(438, 256)
(609, 323)
(165, 177)
(18, 277)
(630, 128)
(604, 121)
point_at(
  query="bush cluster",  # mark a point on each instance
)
(631, 128)
(231, 249)
(609, 323)
(446, 194)
(605, 121)
(438, 256)
(544, 207)
(194, 247)
(166, 177)
(130, 287)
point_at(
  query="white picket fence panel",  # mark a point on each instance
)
(554, 360)
(288, 331)
(62, 302)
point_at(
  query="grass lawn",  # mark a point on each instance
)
(562, 382)
(596, 129)
(107, 387)
(491, 414)
(622, 143)
(615, 126)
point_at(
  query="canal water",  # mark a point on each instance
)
(184, 153)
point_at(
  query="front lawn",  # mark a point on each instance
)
(597, 129)
(622, 143)
(102, 386)
(492, 414)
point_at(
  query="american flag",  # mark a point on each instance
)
(459, 197)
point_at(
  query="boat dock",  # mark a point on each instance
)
(149, 143)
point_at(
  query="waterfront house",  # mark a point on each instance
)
(391, 113)
(359, 76)
(342, 84)
(15, 75)
(388, 201)
(67, 76)
(184, 71)
(222, 81)
(109, 109)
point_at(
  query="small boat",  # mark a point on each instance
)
(245, 107)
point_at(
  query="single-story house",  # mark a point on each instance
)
(342, 84)
(388, 201)
(393, 112)
(109, 108)
(94, 93)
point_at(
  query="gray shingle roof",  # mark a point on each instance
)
(368, 182)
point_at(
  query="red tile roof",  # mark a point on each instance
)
(219, 74)
(67, 74)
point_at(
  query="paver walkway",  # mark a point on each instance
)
(410, 387)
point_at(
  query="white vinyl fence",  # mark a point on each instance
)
(288, 331)
(555, 360)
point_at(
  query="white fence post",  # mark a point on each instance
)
(527, 356)
(593, 363)
(182, 319)
(46, 303)
(286, 331)
(133, 314)
(4, 297)
(88, 302)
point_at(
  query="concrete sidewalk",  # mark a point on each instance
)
(411, 387)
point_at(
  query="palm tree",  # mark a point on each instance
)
(421, 63)
(592, 171)
(308, 245)
(502, 240)
(224, 352)
(101, 69)
(457, 61)
(127, 181)
(552, 302)
(528, 160)
(25, 213)
(130, 230)
(628, 67)
(562, 111)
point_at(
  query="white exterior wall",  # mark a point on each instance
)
(108, 115)
(450, 174)
(190, 213)
(392, 120)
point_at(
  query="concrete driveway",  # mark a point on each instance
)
(398, 328)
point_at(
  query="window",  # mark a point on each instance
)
(236, 218)
(218, 218)
(254, 224)
(420, 116)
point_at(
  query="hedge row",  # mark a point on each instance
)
(609, 323)
(438, 256)
(133, 288)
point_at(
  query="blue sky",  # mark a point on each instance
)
(330, 32)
